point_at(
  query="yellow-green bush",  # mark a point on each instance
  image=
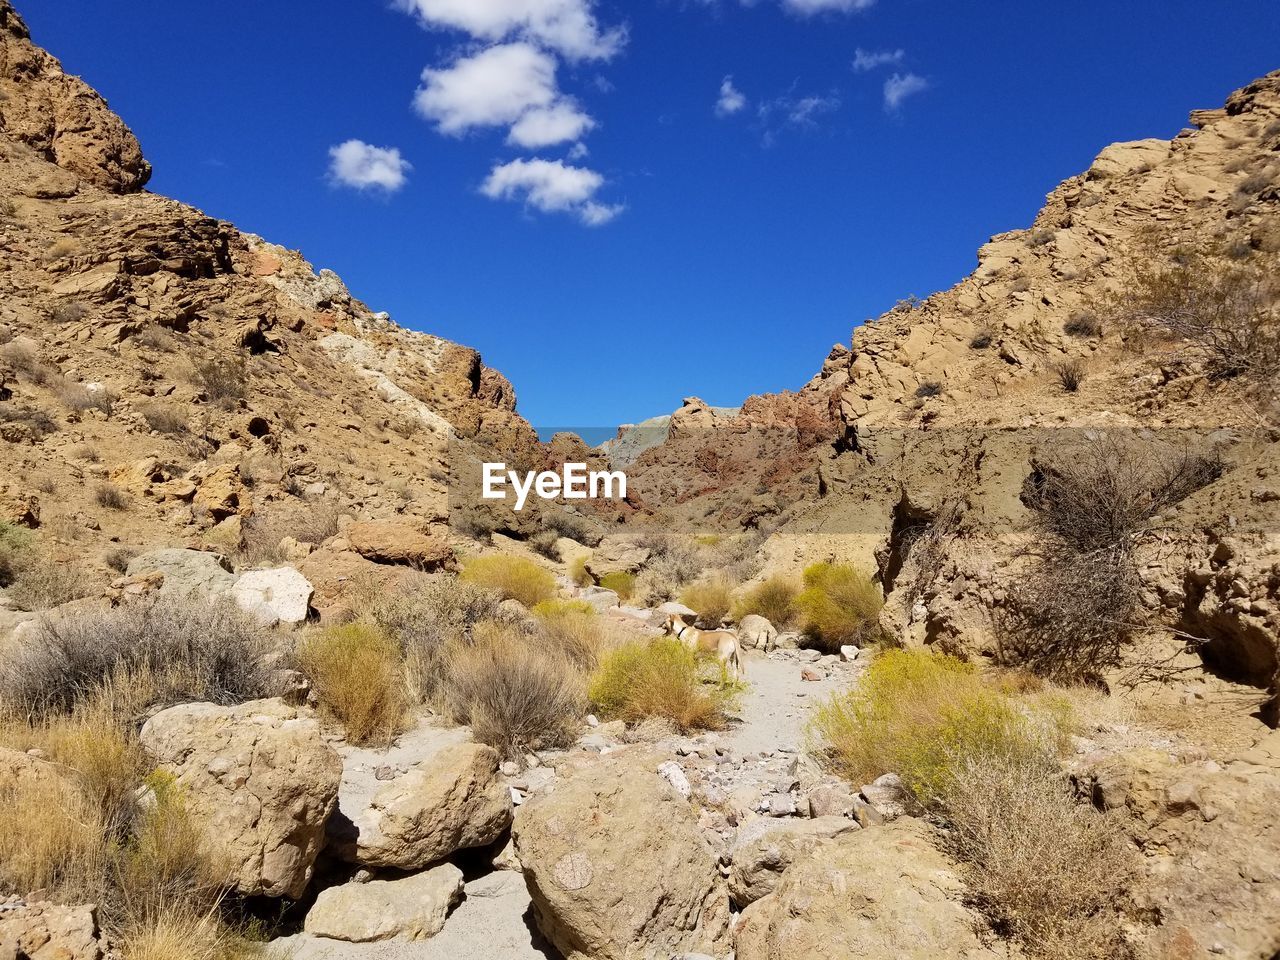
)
(839, 605)
(621, 583)
(711, 599)
(774, 599)
(578, 571)
(515, 578)
(660, 678)
(923, 715)
(356, 673)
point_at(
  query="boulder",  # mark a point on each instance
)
(600, 598)
(764, 848)
(414, 908)
(675, 608)
(617, 865)
(885, 894)
(279, 595)
(333, 572)
(260, 782)
(452, 802)
(48, 931)
(616, 556)
(757, 633)
(389, 541)
(185, 571)
(218, 493)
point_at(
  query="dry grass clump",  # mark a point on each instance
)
(36, 579)
(662, 679)
(710, 599)
(621, 583)
(513, 578)
(188, 650)
(1073, 611)
(578, 571)
(110, 496)
(573, 628)
(81, 397)
(774, 599)
(356, 674)
(1070, 374)
(225, 380)
(166, 418)
(37, 422)
(515, 697)
(839, 605)
(1046, 870)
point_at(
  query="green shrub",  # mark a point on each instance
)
(661, 678)
(572, 628)
(710, 599)
(356, 673)
(775, 600)
(839, 605)
(919, 714)
(514, 578)
(621, 583)
(578, 571)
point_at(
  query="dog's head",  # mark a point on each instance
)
(675, 623)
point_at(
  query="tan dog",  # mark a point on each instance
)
(722, 643)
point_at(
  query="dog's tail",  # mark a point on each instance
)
(739, 668)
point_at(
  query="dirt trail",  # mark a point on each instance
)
(493, 922)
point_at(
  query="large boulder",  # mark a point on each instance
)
(185, 571)
(757, 633)
(766, 846)
(451, 802)
(616, 556)
(413, 908)
(334, 572)
(48, 931)
(617, 866)
(260, 782)
(883, 894)
(389, 541)
(278, 595)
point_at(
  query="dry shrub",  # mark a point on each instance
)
(515, 697)
(110, 496)
(774, 599)
(1047, 870)
(1083, 324)
(1073, 611)
(181, 934)
(187, 649)
(37, 422)
(39, 580)
(80, 397)
(51, 838)
(513, 578)
(1223, 312)
(621, 583)
(356, 674)
(578, 571)
(710, 599)
(571, 627)
(225, 380)
(664, 679)
(166, 418)
(570, 525)
(839, 605)
(1070, 374)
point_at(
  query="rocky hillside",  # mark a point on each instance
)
(167, 379)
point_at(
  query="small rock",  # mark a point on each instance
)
(671, 772)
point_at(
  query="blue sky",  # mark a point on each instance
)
(710, 236)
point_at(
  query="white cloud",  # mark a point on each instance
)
(551, 186)
(360, 165)
(865, 60)
(545, 126)
(578, 151)
(801, 112)
(731, 99)
(568, 27)
(900, 86)
(821, 6)
(491, 88)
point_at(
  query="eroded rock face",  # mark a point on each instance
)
(883, 894)
(48, 931)
(413, 908)
(617, 866)
(260, 782)
(386, 541)
(185, 571)
(452, 802)
(61, 117)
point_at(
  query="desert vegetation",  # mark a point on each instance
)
(838, 606)
(661, 679)
(1046, 870)
(514, 578)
